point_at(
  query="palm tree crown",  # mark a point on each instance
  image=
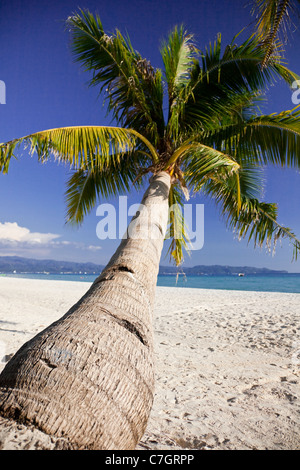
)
(213, 138)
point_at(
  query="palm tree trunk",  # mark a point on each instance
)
(87, 381)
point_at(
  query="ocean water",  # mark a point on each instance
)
(260, 283)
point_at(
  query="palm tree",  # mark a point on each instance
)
(87, 381)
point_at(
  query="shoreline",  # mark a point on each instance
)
(227, 362)
(279, 283)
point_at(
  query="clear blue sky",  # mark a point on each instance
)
(46, 89)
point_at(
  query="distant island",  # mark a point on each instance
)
(202, 270)
(19, 265)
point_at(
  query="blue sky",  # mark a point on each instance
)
(46, 89)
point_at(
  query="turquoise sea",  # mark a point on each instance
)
(268, 283)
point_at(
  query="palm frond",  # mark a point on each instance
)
(86, 186)
(222, 77)
(274, 19)
(200, 161)
(256, 221)
(177, 230)
(134, 89)
(246, 59)
(81, 146)
(6, 154)
(81, 194)
(178, 53)
(266, 139)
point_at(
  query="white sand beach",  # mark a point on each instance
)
(227, 362)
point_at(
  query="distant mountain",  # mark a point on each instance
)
(218, 270)
(11, 264)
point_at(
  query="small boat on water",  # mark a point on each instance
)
(241, 274)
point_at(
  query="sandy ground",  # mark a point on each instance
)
(227, 362)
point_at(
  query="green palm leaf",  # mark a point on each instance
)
(178, 54)
(256, 221)
(86, 186)
(266, 139)
(133, 87)
(81, 147)
(273, 17)
(222, 78)
(177, 230)
(200, 162)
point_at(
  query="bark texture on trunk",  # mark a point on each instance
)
(87, 381)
